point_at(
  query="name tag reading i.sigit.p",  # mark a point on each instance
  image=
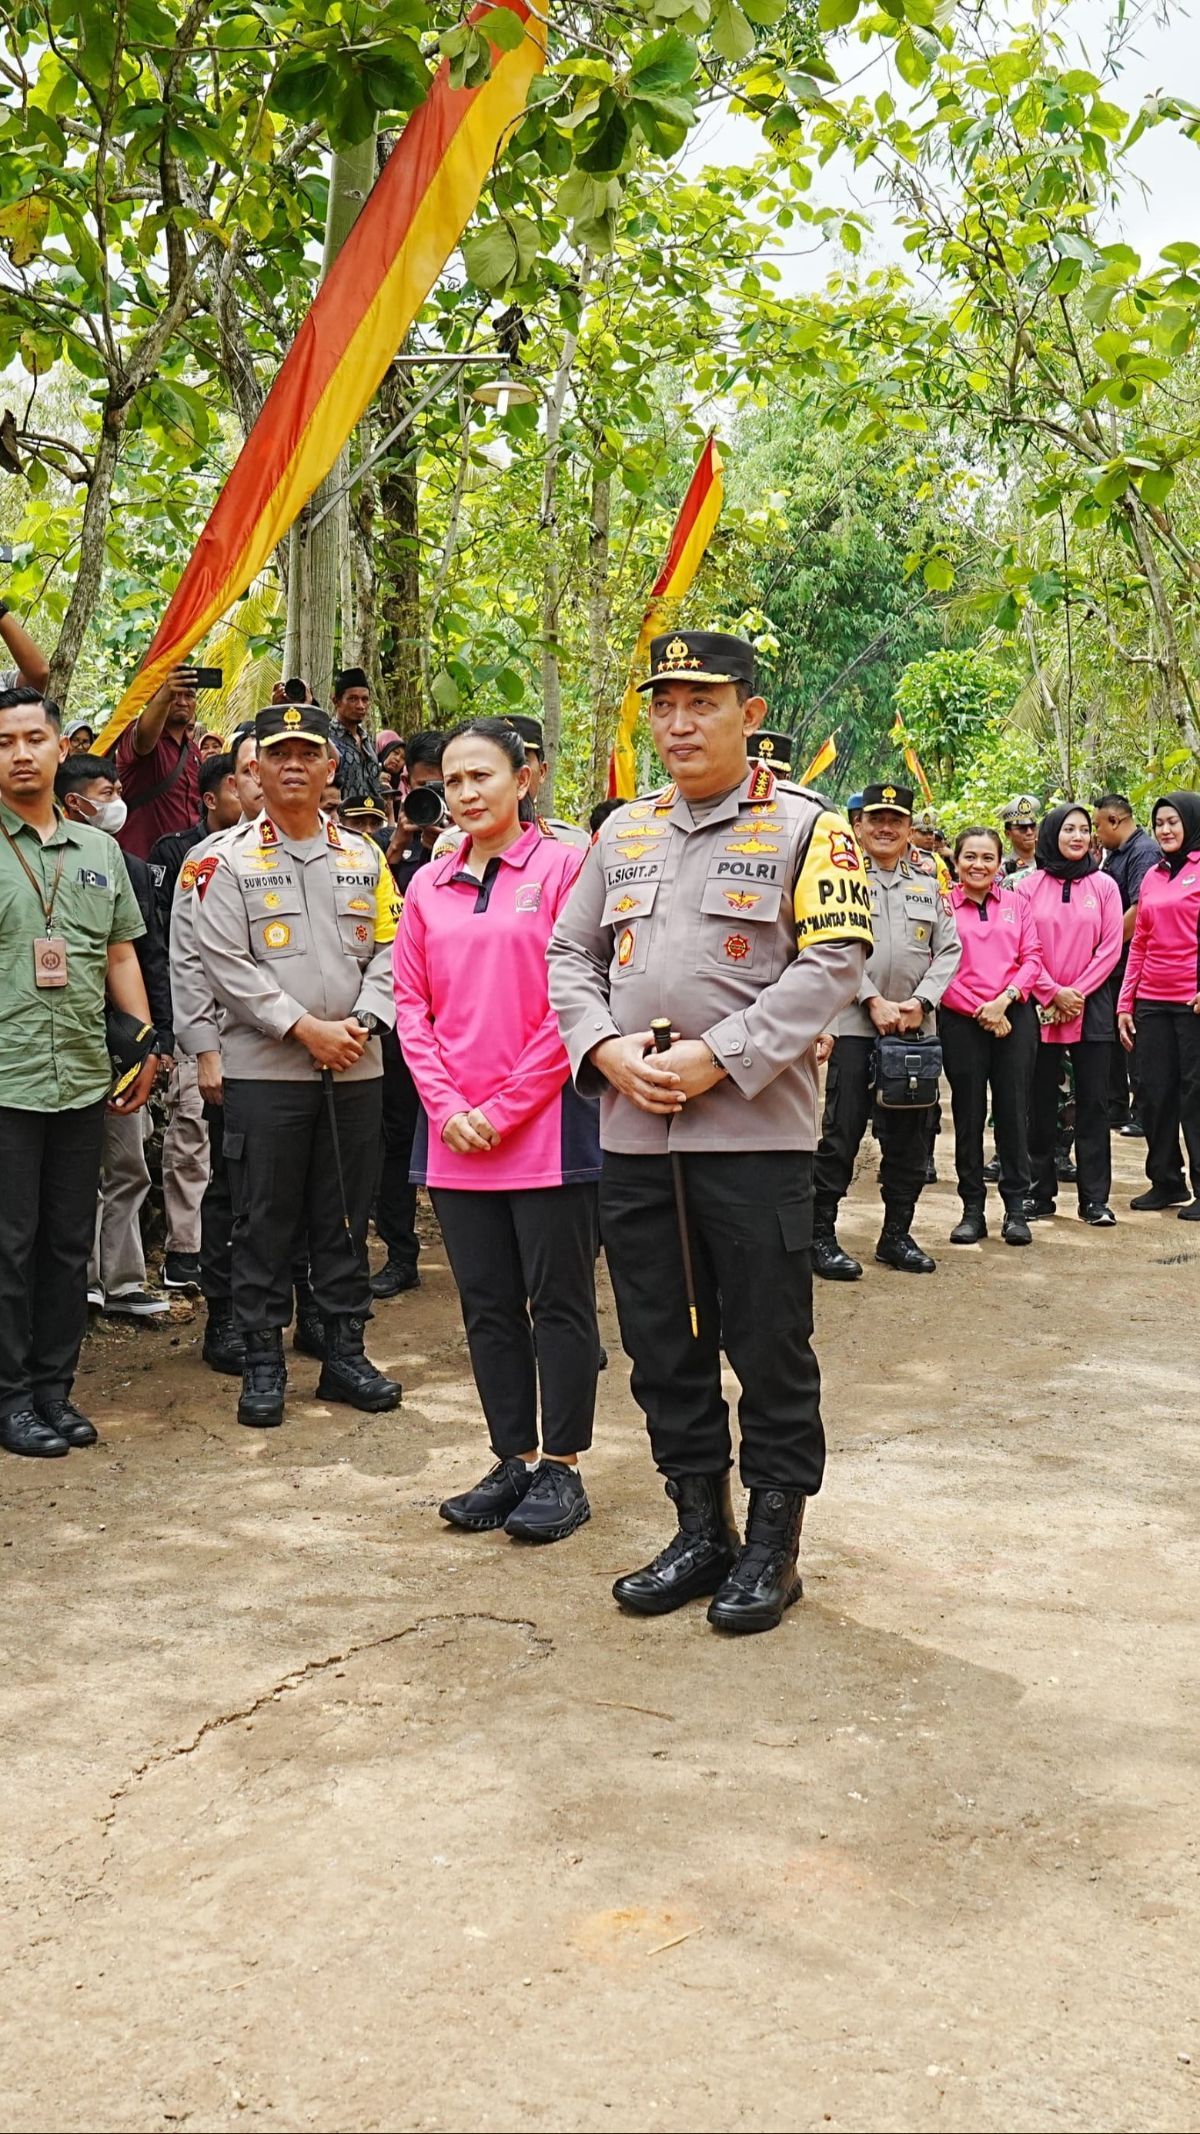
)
(49, 961)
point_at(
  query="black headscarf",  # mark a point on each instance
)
(1048, 857)
(1187, 807)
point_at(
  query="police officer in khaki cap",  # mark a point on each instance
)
(734, 904)
(916, 953)
(294, 925)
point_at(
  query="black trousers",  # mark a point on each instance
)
(283, 1173)
(750, 1223)
(1093, 1143)
(50, 1165)
(513, 1254)
(216, 1215)
(1168, 1043)
(1122, 1066)
(396, 1198)
(976, 1062)
(904, 1136)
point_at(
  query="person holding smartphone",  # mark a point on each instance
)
(158, 764)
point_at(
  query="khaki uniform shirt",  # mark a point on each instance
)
(194, 1009)
(917, 949)
(53, 1054)
(748, 924)
(287, 928)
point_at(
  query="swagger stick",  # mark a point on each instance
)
(661, 1028)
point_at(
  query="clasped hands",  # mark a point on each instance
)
(889, 1016)
(659, 1082)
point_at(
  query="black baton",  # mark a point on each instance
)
(331, 1108)
(661, 1029)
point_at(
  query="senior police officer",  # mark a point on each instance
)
(735, 905)
(916, 953)
(294, 927)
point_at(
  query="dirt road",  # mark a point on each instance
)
(319, 1815)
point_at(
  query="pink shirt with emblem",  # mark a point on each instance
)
(1164, 954)
(474, 1020)
(999, 948)
(1081, 942)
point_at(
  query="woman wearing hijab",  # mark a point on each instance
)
(1077, 913)
(989, 1032)
(509, 1150)
(1160, 999)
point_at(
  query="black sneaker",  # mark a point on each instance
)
(482, 1509)
(1160, 1197)
(393, 1278)
(1191, 1213)
(1132, 1131)
(1040, 1211)
(181, 1270)
(1097, 1214)
(991, 1171)
(554, 1504)
(1016, 1230)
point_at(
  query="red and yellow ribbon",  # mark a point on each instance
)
(825, 757)
(916, 769)
(698, 514)
(417, 211)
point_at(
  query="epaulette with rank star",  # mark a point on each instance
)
(333, 835)
(763, 783)
(267, 833)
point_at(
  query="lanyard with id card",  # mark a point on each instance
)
(49, 949)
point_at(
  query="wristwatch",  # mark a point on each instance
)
(368, 1022)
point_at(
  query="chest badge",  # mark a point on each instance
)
(626, 904)
(271, 900)
(528, 897)
(737, 948)
(362, 934)
(635, 851)
(277, 934)
(920, 933)
(752, 844)
(625, 947)
(742, 899)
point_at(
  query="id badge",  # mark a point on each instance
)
(49, 961)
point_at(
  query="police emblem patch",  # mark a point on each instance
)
(625, 947)
(627, 904)
(271, 900)
(737, 948)
(752, 844)
(205, 870)
(276, 934)
(528, 897)
(360, 904)
(843, 852)
(187, 876)
(362, 934)
(742, 899)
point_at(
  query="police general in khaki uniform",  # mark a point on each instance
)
(916, 953)
(294, 927)
(735, 905)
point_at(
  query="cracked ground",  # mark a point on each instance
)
(318, 1814)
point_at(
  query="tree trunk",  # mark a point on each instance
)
(351, 176)
(600, 632)
(363, 508)
(351, 654)
(295, 588)
(90, 573)
(1179, 701)
(398, 561)
(552, 570)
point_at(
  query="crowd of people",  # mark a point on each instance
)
(346, 968)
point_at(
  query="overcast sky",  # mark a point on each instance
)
(1158, 210)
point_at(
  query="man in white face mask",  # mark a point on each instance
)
(87, 791)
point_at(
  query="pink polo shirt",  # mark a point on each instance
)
(1164, 954)
(474, 1020)
(999, 948)
(1081, 942)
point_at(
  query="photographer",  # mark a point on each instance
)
(409, 848)
(158, 764)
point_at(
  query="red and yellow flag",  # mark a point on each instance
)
(416, 213)
(825, 756)
(900, 737)
(698, 514)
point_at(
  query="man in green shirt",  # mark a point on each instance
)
(68, 921)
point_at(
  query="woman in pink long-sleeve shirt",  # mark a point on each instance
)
(1160, 998)
(989, 1035)
(1077, 913)
(509, 1150)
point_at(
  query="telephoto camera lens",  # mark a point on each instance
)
(425, 806)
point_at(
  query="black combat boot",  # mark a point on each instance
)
(264, 1380)
(697, 1559)
(309, 1337)
(896, 1248)
(764, 1580)
(972, 1225)
(828, 1259)
(1016, 1229)
(224, 1349)
(348, 1373)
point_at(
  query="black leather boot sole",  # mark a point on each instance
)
(746, 1619)
(373, 1399)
